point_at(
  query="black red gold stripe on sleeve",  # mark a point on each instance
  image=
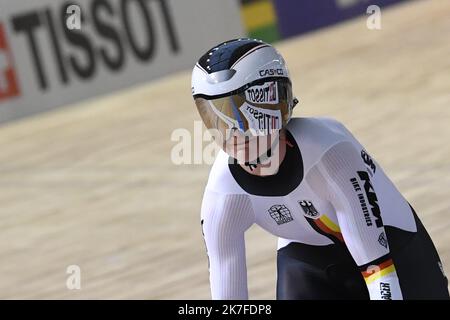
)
(375, 271)
(327, 227)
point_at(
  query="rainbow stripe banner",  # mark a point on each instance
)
(260, 20)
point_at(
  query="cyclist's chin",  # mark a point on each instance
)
(247, 151)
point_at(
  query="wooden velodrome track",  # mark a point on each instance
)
(93, 184)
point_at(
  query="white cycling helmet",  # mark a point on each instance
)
(244, 85)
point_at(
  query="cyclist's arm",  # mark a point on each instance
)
(347, 181)
(225, 218)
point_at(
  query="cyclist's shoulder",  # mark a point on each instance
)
(220, 180)
(316, 126)
(316, 135)
(224, 202)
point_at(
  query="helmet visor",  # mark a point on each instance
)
(256, 109)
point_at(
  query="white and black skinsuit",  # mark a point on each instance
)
(331, 203)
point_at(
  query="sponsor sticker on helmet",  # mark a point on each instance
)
(266, 93)
(260, 118)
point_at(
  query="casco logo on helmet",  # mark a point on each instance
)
(271, 72)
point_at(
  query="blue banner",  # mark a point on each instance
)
(300, 16)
